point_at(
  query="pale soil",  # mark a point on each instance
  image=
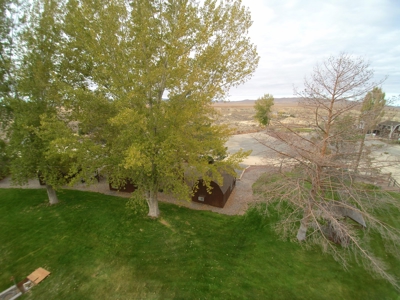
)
(240, 115)
(386, 156)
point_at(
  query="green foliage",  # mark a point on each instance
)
(38, 94)
(372, 109)
(96, 249)
(374, 99)
(263, 107)
(4, 160)
(8, 27)
(193, 52)
(91, 81)
(137, 203)
(11, 25)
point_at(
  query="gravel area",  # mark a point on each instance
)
(386, 156)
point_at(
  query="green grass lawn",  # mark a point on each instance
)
(97, 249)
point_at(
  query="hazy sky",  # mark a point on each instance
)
(293, 35)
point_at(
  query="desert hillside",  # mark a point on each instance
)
(239, 115)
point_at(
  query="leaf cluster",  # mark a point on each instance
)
(126, 89)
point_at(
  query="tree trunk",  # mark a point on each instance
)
(52, 194)
(302, 233)
(360, 150)
(152, 202)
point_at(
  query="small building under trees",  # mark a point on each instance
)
(218, 195)
(127, 187)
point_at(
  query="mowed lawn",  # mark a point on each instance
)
(95, 248)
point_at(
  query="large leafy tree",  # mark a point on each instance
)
(5, 28)
(38, 98)
(11, 21)
(140, 79)
(322, 198)
(6, 76)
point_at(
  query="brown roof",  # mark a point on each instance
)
(228, 180)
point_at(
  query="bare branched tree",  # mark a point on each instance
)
(322, 198)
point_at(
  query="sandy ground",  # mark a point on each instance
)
(386, 156)
(251, 141)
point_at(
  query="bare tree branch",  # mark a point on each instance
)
(321, 197)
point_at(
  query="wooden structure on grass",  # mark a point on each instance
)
(25, 285)
(219, 193)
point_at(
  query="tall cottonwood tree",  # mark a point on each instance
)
(5, 41)
(322, 193)
(38, 95)
(11, 22)
(7, 76)
(151, 70)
